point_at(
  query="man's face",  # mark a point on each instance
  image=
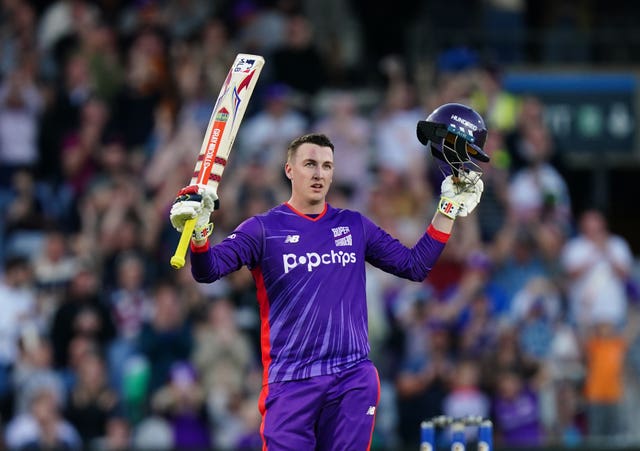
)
(311, 171)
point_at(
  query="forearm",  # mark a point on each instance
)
(442, 223)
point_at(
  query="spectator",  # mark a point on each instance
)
(21, 104)
(131, 305)
(91, 402)
(117, 436)
(182, 402)
(20, 20)
(538, 191)
(465, 397)
(147, 77)
(535, 310)
(62, 115)
(507, 357)
(494, 209)
(18, 313)
(351, 132)
(422, 382)
(517, 257)
(605, 348)
(153, 432)
(273, 127)
(298, 62)
(217, 53)
(82, 313)
(396, 148)
(54, 268)
(43, 426)
(257, 187)
(598, 264)
(34, 370)
(25, 217)
(516, 411)
(222, 353)
(166, 337)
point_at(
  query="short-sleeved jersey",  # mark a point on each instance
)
(310, 279)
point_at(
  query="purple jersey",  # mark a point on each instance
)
(310, 277)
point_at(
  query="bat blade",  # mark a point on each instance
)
(220, 135)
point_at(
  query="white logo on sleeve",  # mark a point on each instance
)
(371, 410)
(292, 239)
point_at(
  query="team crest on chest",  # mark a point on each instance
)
(342, 236)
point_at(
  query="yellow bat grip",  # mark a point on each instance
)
(178, 259)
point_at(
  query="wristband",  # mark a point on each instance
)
(199, 237)
(448, 208)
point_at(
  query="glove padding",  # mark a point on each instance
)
(459, 198)
(194, 202)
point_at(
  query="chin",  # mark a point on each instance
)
(317, 199)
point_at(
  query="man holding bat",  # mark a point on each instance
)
(308, 261)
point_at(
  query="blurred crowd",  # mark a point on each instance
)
(530, 317)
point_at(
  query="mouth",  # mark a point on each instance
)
(317, 186)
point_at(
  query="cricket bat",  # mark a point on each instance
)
(221, 132)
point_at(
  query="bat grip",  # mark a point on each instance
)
(179, 257)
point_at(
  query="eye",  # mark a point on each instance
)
(309, 163)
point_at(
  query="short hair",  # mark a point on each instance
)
(319, 139)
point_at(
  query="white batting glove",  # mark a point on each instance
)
(459, 198)
(195, 202)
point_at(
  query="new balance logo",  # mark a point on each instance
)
(292, 239)
(371, 410)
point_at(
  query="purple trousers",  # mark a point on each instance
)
(333, 412)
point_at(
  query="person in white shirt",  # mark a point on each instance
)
(598, 264)
(18, 314)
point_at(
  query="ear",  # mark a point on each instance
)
(287, 170)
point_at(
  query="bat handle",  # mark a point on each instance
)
(179, 257)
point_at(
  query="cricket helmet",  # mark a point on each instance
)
(455, 133)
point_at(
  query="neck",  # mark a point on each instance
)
(307, 208)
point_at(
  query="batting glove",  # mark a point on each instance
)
(195, 202)
(460, 197)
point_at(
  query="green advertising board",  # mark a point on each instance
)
(585, 112)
